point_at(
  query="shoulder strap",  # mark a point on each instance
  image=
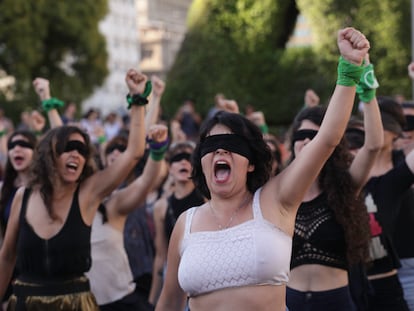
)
(257, 212)
(26, 196)
(189, 220)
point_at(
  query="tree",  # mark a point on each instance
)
(387, 24)
(227, 41)
(238, 47)
(58, 40)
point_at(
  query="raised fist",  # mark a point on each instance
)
(135, 81)
(352, 45)
(42, 88)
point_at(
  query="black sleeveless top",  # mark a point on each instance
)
(177, 206)
(65, 255)
(318, 237)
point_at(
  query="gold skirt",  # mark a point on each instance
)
(72, 295)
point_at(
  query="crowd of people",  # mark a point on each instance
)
(136, 213)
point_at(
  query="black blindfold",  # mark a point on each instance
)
(230, 142)
(21, 143)
(119, 147)
(77, 145)
(409, 126)
(355, 138)
(303, 134)
(181, 156)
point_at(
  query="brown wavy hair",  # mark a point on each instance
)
(44, 161)
(342, 196)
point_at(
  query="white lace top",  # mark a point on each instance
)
(255, 252)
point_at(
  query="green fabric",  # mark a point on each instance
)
(140, 99)
(264, 128)
(158, 154)
(52, 103)
(101, 139)
(348, 74)
(366, 88)
(2, 133)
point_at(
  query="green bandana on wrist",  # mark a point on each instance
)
(366, 88)
(52, 103)
(140, 99)
(348, 74)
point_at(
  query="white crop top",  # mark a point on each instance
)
(255, 252)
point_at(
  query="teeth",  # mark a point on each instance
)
(73, 165)
(221, 162)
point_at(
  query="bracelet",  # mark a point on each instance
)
(140, 99)
(348, 74)
(157, 150)
(366, 88)
(52, 103)
(3, 132)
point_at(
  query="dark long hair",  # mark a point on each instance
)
(262, 156)
(335, 180)
(44, 161)
(10, 175)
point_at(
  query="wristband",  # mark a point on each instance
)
(101, 139)
(366, 88)
(140, 99)
(157, 150)
(52, 103)
(264, 128)
(348, 74)
(2, 133)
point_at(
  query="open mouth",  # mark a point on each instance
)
(18, 159)
(183, 170)
(72, 167)
(222, 171)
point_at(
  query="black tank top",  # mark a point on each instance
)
(178, 206)
(65, 255)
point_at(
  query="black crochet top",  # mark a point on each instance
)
(318, 238)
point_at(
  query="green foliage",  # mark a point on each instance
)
(58, 40)
(385, 23)
(237, 47)
(232, 47)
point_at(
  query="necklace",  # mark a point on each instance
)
(233, 215)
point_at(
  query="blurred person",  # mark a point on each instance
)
(189, 119)
(168, 208)
(110, 275)
(69, 113)
(390, 178)
(112, 125)
(92, 124)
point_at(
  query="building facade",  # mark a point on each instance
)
(162, 27)
(143, 34)
(122, 40)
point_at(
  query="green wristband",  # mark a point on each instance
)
(140, 99)
(52, 103)
(348, 74)
(366, 88)
(2, 133)
(264, 128)
(101, 139)
(158, 155)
